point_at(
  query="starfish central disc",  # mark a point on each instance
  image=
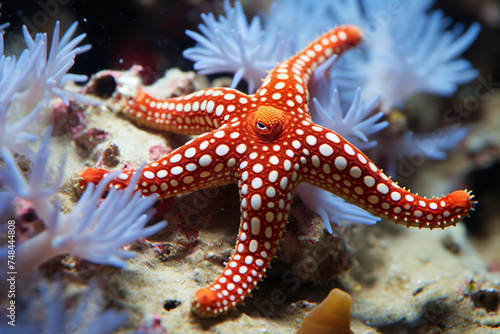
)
(268, 122)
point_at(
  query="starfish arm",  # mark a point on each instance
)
(335, 165)
(207, 161)
(286, 85)
(193, 114)
(265, 208)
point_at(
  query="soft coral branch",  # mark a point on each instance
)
(35, 77)
(415, 52)
(51, 69)
(51, 309)
(13, 74)
(33, 191)
(333, 209)
(44, 72)
(231, 45)
(95, 234)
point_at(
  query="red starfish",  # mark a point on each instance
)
(268, 144)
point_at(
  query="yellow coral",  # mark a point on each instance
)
(332, 316)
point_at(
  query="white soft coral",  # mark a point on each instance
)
(94, 234)
(38, 75)
(51, 67)
(56, 309)
(231, 45)
(414, 51)
(13, 74)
